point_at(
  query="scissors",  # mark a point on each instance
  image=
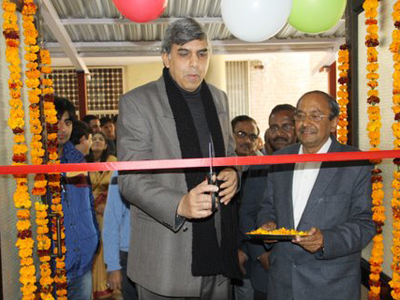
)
(211, 174)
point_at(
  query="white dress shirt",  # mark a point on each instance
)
(304, 177)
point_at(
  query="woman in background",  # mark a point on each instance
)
(100, 180)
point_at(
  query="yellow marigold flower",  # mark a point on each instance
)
(23, 214)
(373, 76)
(25, 252)
(42, 230)
(45, 69)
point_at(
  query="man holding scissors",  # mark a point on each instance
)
(179, 247)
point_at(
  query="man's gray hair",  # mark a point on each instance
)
(181, 32)
(333, 105)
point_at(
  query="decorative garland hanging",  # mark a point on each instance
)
(374, 125)
(54, 178)
(16, 122)
(37, 151)
(343, 95)
(394, 48)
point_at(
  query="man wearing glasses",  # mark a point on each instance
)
(280, 135)
(330, 200)
(180, 247)
(245, 133)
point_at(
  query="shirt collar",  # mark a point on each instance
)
(324, 148)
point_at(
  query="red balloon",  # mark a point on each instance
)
(141, 11)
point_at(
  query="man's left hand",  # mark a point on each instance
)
(313, 242)
(228, 188)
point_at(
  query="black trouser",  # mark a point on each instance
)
(129, 291)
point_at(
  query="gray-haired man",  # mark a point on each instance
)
(180, 247)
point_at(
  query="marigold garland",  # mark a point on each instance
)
(16, 122)
(373, 127)
(54, 179)
(394, 48)
(343, 95)
(37, 151)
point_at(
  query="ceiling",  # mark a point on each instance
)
(81, 29)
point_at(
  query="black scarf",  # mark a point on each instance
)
(208, 258)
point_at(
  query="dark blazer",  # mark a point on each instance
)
(253, 188)
(340, 206)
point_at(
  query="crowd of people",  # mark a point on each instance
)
(158, 235)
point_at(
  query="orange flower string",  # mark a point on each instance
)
(343, 95)
(50, 114)
(16, 122)
(394, 48)
(373, 127)
(37, 151)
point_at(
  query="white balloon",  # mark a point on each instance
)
(255, 20)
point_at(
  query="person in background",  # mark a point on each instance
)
(116, 236)
(281, 127)
(108, 129)
(282, 134)
(260, 144)
(246, 132)
(329, 200)
(180, 246)
(81, 137)
(93, 122)
(78, 209)
(267, 150)
(100, 181)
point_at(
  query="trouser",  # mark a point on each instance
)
(244, 290)
(210, 290)
(80, 288)
(128, 286)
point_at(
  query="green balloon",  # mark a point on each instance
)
(316, 16)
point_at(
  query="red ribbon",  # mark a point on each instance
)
(198, 162)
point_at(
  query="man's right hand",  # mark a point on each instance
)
(264, 260)
(269, 226)
(114, 280)
(242, 258)
(197, 203)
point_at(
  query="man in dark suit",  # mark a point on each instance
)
(180, 247)
(331, 200)
(254, 183)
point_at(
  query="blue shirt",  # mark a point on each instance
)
(81, 228)
(117, 227)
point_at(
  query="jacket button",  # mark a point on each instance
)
(185, 229)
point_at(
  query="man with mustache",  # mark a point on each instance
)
(280, 133)
(180, 247)
(330, 200)
(245, 133)
(253, 253)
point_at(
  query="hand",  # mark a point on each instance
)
(242, 257)
(197, 203)
(264, 260)
(114, 279)
(269, 226)
(313, 242)
(228, 188)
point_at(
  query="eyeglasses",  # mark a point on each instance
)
(243, 135)
(315, 117)
(284, 127)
